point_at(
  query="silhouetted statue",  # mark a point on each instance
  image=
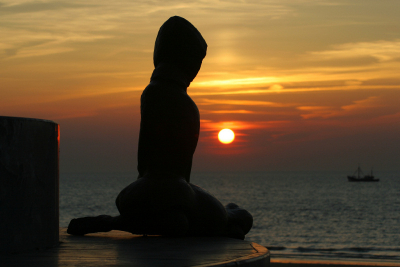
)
(162, 200)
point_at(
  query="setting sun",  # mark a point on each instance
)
(226, 136)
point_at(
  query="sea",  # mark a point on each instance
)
(297, 215)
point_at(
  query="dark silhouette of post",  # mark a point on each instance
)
(162, 200)
(28, 184)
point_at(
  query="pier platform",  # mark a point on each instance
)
(118, 248)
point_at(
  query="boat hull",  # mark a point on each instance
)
(354, 179)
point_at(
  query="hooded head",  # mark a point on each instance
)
(180, 44)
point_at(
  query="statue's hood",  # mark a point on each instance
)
(180, 44)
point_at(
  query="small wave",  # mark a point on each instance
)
(339, 256)
(351, 249)
(301, 249)
(361, 249)
(374, 249)
(276, 248)
(370, 253)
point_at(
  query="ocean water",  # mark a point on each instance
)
(301, 215)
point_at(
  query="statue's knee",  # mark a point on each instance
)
(239, 217)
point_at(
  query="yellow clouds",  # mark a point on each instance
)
(217, 106)
(206, 101)
(30, 28)
(25, 44)
(380, 50)
(236, 82)
(38, 28)
(361, 61)
(242, 111)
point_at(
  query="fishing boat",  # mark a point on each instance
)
(359, 176)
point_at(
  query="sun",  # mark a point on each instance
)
(226, 136)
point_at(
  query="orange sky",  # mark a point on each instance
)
(305, 84)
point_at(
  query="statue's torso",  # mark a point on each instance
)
(169, 130)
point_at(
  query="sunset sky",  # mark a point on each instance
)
(304, 84)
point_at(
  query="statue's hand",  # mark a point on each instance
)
(87, 225)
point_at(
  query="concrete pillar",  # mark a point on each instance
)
(29, 151)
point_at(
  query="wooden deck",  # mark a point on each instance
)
(118, 248)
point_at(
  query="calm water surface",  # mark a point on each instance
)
(313, 215)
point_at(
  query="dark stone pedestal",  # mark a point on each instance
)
(117, 248)
(29, 150)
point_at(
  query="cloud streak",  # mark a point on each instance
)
(381, 50)
(358, 107)
(63, 23)
(206, 101)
